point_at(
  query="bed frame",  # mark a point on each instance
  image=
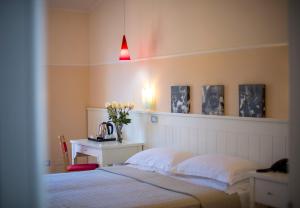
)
(259, 139)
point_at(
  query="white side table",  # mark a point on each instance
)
(269, 189)
(107, 153)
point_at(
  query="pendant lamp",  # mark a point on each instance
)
(124, 55)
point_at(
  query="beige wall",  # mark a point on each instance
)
(265, 65)
(198, 42)
(166, 27)
(67, 101)
(68, 38)
(68, 77)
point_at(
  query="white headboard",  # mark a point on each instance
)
(258, 139)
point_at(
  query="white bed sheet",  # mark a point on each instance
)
(242, 188)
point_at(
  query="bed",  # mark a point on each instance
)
(263, 141)
(123, 186)
(152, 178)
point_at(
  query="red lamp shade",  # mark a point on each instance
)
(124, 55)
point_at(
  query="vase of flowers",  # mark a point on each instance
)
(118, 113)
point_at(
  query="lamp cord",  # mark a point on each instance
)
(124, 12)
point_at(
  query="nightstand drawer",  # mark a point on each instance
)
(120, 155)
(87, 150)
(270, 193)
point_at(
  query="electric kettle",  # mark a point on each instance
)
(104, 129)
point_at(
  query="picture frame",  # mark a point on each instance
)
(180, 99)
(252, 100)
(213, 99)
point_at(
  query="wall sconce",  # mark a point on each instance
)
(148, 97)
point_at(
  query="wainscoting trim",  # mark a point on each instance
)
(194, 53)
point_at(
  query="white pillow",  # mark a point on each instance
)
(224, 168)
(158, 159)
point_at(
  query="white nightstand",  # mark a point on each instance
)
(107, 153)
(269, 189)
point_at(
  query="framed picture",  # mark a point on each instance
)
(252, 100)
(213, 99)
(180, 99)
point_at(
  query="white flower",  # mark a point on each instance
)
(119, 106)
(126, 105)
(107, 105)
(114, 104)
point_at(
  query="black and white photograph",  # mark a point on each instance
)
(252, 100)
(180, 99)
(213, 99)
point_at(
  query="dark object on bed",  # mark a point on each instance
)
(279, 166)
(101, 139)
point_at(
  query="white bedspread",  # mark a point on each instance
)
(136, 188)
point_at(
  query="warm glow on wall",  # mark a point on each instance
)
(148, 97)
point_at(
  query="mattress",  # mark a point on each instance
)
(122, 186)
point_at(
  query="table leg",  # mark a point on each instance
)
(74, 153)
(99, 160)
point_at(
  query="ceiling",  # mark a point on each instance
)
(78, 5)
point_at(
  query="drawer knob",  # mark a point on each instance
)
(269, 193)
